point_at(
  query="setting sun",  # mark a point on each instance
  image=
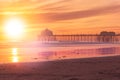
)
(14, 27)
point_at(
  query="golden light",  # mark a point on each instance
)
(15, 55)
(14, 51)
(15, 59)
(14, 27)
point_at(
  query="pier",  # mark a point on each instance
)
(103, 37)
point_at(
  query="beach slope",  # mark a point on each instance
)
(102, 68)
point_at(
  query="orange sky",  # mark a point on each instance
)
(63, 16)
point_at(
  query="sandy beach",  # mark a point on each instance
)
(100, 68)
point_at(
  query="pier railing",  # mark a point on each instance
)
(81, 38)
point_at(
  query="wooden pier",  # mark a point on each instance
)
(104, 37)
(81, 38)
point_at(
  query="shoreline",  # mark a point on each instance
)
(52, 44)
(99, 68)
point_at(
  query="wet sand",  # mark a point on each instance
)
(100, 68)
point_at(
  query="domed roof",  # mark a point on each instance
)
(46, 32)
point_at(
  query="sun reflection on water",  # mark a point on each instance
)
(15, 57)
(14, 51)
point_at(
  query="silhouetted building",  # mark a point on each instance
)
(46, 32)
(46, 35)
(105, 33)
(107, 36)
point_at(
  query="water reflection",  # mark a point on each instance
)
(14, 51)
(80, 53)
(15, 57)
(56, 53)
(103, 51)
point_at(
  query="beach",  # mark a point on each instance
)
(60, 40)
(99, 68)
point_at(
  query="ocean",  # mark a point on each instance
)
(56, 52)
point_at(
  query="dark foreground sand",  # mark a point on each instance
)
(106, 68)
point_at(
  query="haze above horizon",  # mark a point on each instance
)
(62, 16)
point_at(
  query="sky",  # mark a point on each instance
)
(63, 16)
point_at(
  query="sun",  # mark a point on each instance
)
(14, 27)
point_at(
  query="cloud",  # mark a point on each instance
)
(62, 16)
(36, 16)
(29, 4)
(81, 14)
